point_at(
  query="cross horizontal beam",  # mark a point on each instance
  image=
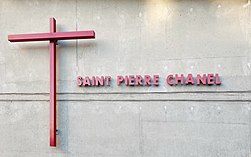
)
(52, 36)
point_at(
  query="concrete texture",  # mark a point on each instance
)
(133, 37)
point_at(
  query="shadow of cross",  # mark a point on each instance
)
(52, 37)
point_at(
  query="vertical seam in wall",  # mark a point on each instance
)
(140, 32)
(76, 9)
(140, 123)
(140, 133)
(249, 131)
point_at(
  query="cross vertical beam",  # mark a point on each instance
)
(53, 86)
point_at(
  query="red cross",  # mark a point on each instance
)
(52, 37)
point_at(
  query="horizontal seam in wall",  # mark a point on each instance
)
(107, 93)
(132, 100)
(156, 121)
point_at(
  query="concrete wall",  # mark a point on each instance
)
(133, 37)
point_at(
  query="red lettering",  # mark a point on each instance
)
(126, 80)
(147, 80)
(156, 80)
(79, 81)
(100, 81)
(189, 79)
(139, 80)
(217, 80)
(120, 79)
(86, 81)
(179, 79)
(93, 81)
(108, 79)
(131, 80)
(168, 80)
(201, 80)
(210, 78)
